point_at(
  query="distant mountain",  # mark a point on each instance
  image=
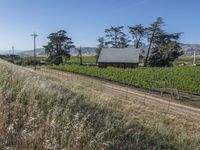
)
(86, 51)
(39, 51)
(190, 48)
(7, 52)
(90, 51)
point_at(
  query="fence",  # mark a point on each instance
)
(118, 90)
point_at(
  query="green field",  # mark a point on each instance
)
(91, 60)
(183, 60)
(86, 60)
(187, 60)
(183, 78)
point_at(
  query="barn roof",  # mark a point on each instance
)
(119, 55)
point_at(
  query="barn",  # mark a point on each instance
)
(119, 57)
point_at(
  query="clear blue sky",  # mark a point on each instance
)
(85, 20)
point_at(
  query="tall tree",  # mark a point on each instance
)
(116, 38)
(59, 46)
(100, 46)
(138, 33)
(124, 41)
(165, 50)
(152, 31)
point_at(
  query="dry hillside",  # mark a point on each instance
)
(38, 111)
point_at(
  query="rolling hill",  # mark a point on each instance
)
(190, 48)
(41, 111)
(90, 51)
(87, 51)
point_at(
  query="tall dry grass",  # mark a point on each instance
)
(38, 112)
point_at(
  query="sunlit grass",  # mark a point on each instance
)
(38, 112)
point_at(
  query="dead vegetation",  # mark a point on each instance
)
(37, 112)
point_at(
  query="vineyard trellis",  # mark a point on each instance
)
(178, 82)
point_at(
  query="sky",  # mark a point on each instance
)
(86, 20)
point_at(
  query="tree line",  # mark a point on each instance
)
(162, 47)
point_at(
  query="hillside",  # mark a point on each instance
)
(40, 52)
(87, 51)
(190, 48)
(37, 112)
(90, 51)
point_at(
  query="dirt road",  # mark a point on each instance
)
(124, 92)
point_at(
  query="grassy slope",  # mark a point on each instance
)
(182, 78)
(39, 113)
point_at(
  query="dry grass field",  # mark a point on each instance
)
(39, 111)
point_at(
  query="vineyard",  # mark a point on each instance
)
(180, 78)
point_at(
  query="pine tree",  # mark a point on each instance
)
(59, 46)
(138, 33)
(165, 50)
(116, 38)
(100, 46)
(152, 31)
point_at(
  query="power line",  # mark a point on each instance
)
(34, 37)
(13, 54)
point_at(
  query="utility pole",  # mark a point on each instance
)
(34, 37)
(80, 56)
(13, 50)
(194, 59)
(13, 53)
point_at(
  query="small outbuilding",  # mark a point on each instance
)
(119, 57)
